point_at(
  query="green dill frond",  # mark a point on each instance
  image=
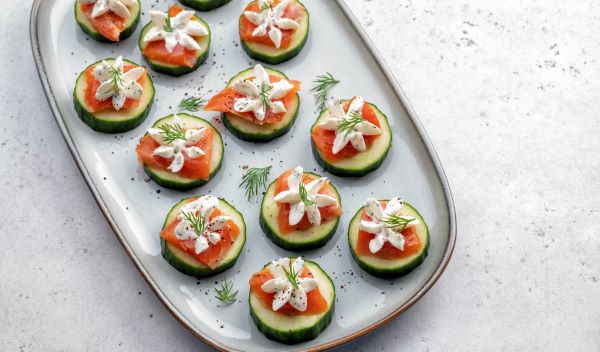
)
(192, 103)
(291, 274)
(197, 222)
(394, 221)
(226, 294)
(264, 95)
(304, 195)
(172, 132)
(255, 180)
(348, 124)
(168, 27)
(117, 78)
(322, 85)
(265, 6)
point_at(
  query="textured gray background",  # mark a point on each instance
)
(508, 91)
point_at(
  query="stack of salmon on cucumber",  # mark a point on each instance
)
(291, 298)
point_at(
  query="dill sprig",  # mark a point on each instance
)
(264, 95)
(304, 195)
(291, 274)
(348, 124)
(197, 222)
(172, 132)
(192, 103)
(117, 78)
(392, 221)
(265, 6)
(168, 27)
(226, 294)
(322, 85)
(255, 180)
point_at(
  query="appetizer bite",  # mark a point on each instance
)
(291, 300)
(300, 210)
(175, 42)
(388, 238)
(113, 95)
(258, 104)
(108, 20)
(351, 138)
(204, 5)
(181, 151)
(274, 31)
(203, 236)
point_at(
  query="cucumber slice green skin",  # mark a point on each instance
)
(276, 56)
(178, 183)
(107, 126)
(273, 59)
(193, 267)
(346, 171)
(126, 33)
(204, 5)
(267, 132)
(167, 251)
(404, 267)
(291, 337)
(280, 240)
(258, 137)
(174, 70)
(271, 230)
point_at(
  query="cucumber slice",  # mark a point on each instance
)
(270, 54)
(108, 120)
(174, 70)
(204, 5)
(130, 25)
(364, 162)
(386, 267)
(314, 237)
(250, 131)
(294, 329)
(189, 265)
(173, 181)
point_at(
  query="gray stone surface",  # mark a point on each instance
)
(508, 91)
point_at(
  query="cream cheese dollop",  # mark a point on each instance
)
(176, 30)
(175, 147)
(271, 21)
(287, 284)
(201, 229)
(261, 94)
(312, 201)
(355, 129)
(379, 225)
(118, 7)
(116, 84)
